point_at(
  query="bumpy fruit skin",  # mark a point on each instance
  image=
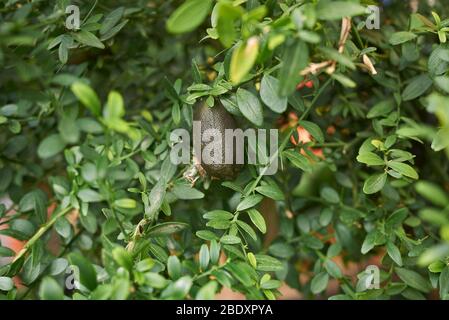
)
(217, 118)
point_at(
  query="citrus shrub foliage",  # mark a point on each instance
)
(86, 116)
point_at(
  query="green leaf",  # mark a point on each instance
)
(230, 104)
(413, 279)
(87, 273)
(204, 257)
(369, 242)
(258, 220)
(243, 58)
(298, 160)
(228, 239)
(112, 32)
(313, 129)
(89, 195)
(218, 215)
(330, 195)
(344, 80)
(219, 224)
(325, 216)
(371, 159)
(438, 61)
(417, 87)
(53, 43)
(58, 266)
(442, 36)
(249, 202)
(214, 251)
(381, 109)
(114, 107)
(208, 291)
(35, 200)
(403, 169)
(394, 253)
(250, 106)
(443, 83)
(433, 216)
(111, 20)
(155, 280)
(63, 227)
(6, 284)
(188, 16)
(375, 183)
(156, 198)
(437, 266)
(87, 96)
(174, 267)
(441, 139)
(252, 259)
(335, 10)
(334, 250)
(50, 146)
(247, 228)
(125, 203)
(270, 284)
(178, 289)
(396, 218)
(123, 258)
(319, 282)
(6, 252)
(158, 252)
(269, 93)
(50, 290)
(186, 192)
(271, 191)
(166, 228)
(434, 254)
(227, 15)
(281, 250)
(89, 125)
(334, 54)
(444, 282)
(69, 130)
(268, 264)
(401, 37)
(88, 38)
(333, 269)
(242, 272)
(63, 50)
(432, 193)
(206, 235)
(295, 59)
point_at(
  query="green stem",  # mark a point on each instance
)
(357, 36)
(207, 273)
(274, 156)
(315, 99)
(42, 230)
(329, 145)
(287, 137)
(90, 11)
(68, 246)
(120, 224)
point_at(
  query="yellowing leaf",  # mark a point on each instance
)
(243, 59)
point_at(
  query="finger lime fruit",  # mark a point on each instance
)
(218, 118)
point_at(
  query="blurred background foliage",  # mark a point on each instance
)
(86, 181)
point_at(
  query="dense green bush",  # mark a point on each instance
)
(86, 178)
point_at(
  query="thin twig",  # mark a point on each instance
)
(42, 230)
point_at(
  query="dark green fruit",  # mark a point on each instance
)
(217, 118)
